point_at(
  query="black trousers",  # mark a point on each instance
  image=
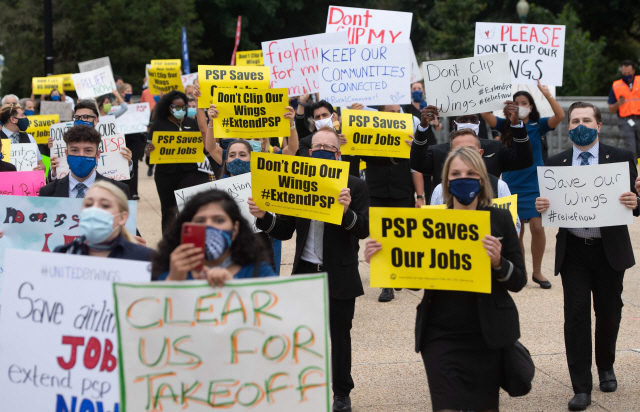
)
(341, 312)
(167, 183)
(388, 202)
(586, 271)
(136, 144)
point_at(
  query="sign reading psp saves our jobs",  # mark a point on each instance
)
(177, 147)
(230, 77)
(434, 249)
(376, 133)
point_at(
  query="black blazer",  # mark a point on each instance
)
(498, 313)
(429, 158)
(60, 187)
(340, 243)
(615, 239)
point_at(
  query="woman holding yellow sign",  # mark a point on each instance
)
(462, 335)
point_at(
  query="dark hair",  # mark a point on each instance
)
(163, 107)
(245, 249)
(82, 134)
(463, 132)
(506, 134)
(54, 90)
(224, 161)
(320, 104)
(86, 104)
(100, 100)
(582, 105)
(627, 63)
(117, 77)
(9, 110)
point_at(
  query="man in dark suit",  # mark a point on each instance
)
(428, 157)
(592, 261)
(325, 247)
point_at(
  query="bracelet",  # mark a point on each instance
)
(293, 127)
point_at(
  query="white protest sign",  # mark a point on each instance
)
(542, 104)
(62, 109)
(94, 64)
(369, 26)
(255, 344)
(294, 61)
(189, 79)
(65, 357)
(416, 73)
(536, 51)
(585, 196)
(205, 166)
(367, 74)
(94, 83)
(239, 187)
(24, 156)
(56, 132)
(471, 85)
(134, 120)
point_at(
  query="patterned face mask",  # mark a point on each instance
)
(216, 242)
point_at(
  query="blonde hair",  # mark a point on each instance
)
(123, 87)
(474, 161)
(121, 200)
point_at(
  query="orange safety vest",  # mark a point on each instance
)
(632, 97)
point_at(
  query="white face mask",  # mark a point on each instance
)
(523, 112)
(472, 126)
(323, 122)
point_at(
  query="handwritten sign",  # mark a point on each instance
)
(62, 109)
(471, 85)
(65, 357)
(90, 65)
(301, 187)
(369, 26)
(239, 187)
(24, 156)
(294, 61)
(44, 85)
(67, 82)
(367, 74)
(261, 344)
(430, 249)
(94, 83)
(376, 133)
(177, 147)
(26, 183)
(250, 58)
(416, 72)
(585, 196)
(39, 127)
(230, 77)
(536, 51)
(134, 120)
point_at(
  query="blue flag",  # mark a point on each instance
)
(185, 52)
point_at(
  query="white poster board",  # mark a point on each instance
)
(294, 61)
(267, 351)
(467, 86)
(24, 156)
(585, 196)
(65, 357)
(62, 109)
(134, 120)
(370, 26)
(536, 51)
(94, 64)
(239, 187)
(416, 72)
(367, 74)
(94, 83)
(189, 79)
(542, 104)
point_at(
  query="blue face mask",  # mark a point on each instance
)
(29, 112)
(238, 167)
(583, 135)
(256, 146)
(323, 154)
(81, 166)
(191, 112)
(416, 95)
(216, 242)
(127, 97)
(627, 79)
(178, 114)
(55, 98)
(82, 123)
(23, 124)
(465, 189)
(96, 225)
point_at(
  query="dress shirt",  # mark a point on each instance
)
(576, 160)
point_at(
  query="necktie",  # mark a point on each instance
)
(15, 138)
(585, 158)
(318, 238)
(80, 188)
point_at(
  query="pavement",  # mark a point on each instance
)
(390, 376)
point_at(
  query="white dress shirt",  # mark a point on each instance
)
(576, 160)
(73, 193)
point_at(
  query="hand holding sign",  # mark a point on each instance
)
(255, 209)
(510, 111)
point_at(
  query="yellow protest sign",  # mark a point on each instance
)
(39, 126)
(163, 79)
(249, 58)
(510, 203)
(250, 114)
(44, 85)
(433, 206)
(170, 64)
(67, 82)
(435, 249)
(299, 186)
(177, 147)
(230, 77)
(376, 133)
(6, 150)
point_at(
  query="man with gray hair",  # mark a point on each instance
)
(10, 98)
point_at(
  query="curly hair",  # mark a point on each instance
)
(82, 134)
(163, 107)
(245, 249)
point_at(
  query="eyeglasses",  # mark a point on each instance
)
(85, 117)
(179, 107)
(327, 147)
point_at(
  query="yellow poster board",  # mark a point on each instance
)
(39, 126)
(67, 82)
(164, 76)
(44, 85)
(250, 114)
(299, 186)
(510, 203)
(434, 249)
(177, 147)
(376, 133)
(169, 64)
(249, 58)
(6, 150)
(433, 206)
(230, 77)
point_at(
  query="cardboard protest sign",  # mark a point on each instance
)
(171, 64)
(585, 196)
(251, 114)
(134, 120)
(367, 74)
(239, 187)
(188, 79)
(416, 72)
(259, 344)
(430, 249)
(369, 26)
(62, 109)
(471, 85)
(94, 83)
(164, 78)
(230, 77)
(433, 206)
(299, 186)
(542, 104)
(6, 150)
(94, 64)
(249, 58)
(294, 61)
(376, 133)
(65, 357)
(177, 147)
(24, 156)
(509, 203)
(44, 85)
(39, 126)
(67, 82)
(536, 51)
(27, 183)
(57, 132)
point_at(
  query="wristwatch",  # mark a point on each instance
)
(423, 197)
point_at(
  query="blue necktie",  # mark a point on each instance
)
(585, 158)
(80, 188)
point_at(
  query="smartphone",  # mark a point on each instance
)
(192, 233)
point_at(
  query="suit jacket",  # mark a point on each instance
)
(429, 158)
(60, 187)
(615, 239)
(497, 311)
(340, 243)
